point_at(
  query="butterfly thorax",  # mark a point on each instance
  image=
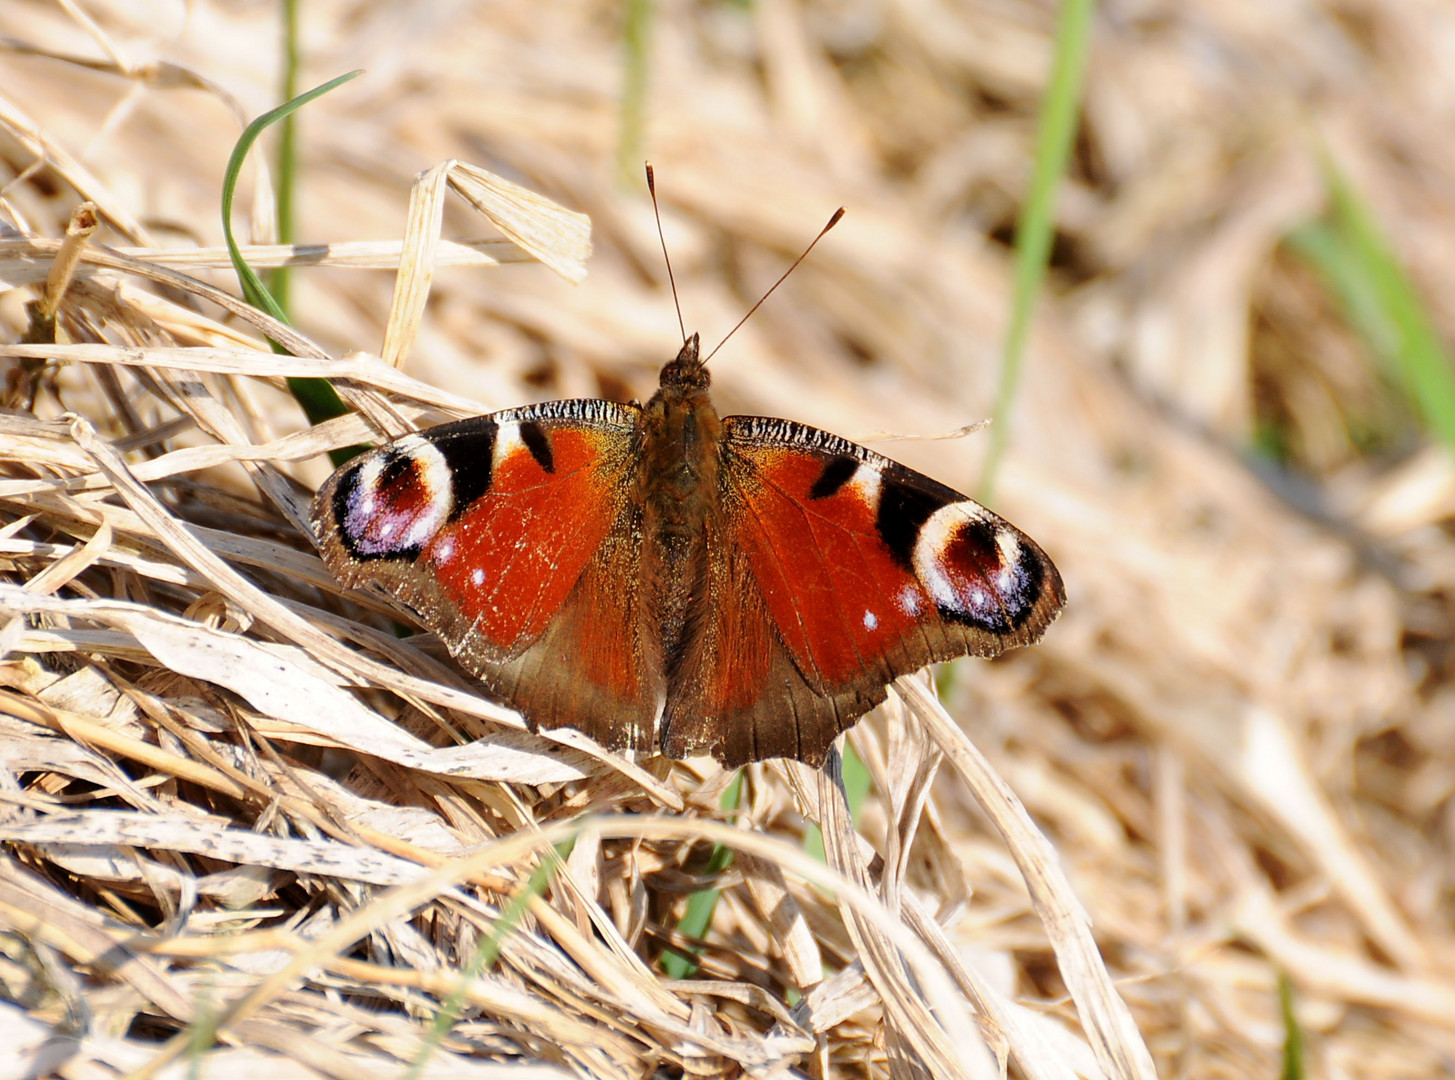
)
(677, 489)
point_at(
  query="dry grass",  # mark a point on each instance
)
(247, 830)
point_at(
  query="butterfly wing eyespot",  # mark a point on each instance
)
(862, 570)
(983, 572)
(391, 501)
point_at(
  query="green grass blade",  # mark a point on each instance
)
(1054, 138)
(1293, 1052)
(486, 953)
(316, 396)
(635, 42)
(202, 1033)
(1358, 265)
(857, 785)
(279, 280)
(701, 904)
(252, 287)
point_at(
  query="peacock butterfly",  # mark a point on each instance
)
(661, 577)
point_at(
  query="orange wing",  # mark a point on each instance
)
(835, 571)
(513, 538)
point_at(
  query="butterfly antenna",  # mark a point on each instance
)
(832, 222)
(652, 187)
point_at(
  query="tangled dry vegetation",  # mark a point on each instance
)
(248, 830)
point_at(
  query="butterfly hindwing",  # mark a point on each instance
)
(864, 570)
(739, 693)
(511, 535)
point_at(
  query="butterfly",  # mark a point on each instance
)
(659, 577)
(662, 578)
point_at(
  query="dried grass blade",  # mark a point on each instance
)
(908, 1015)
(93, 733)
(416, 263)
(357, 367)
(188, 833)
(278, 682)
(1022, 1030)
(33, 137)
(790, 930)
(343, 255)
(558, 237)
(1104, 1015)
(31, 907)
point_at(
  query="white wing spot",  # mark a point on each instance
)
(1011, 577)
(866, 481)
(909, 600)
(507, 442)
(446, 551)
(477, 576)
(1008, 579)
(871, 621)
(1008, 546)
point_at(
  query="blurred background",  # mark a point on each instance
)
(1233, 432)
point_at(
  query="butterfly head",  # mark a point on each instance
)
(687, 374)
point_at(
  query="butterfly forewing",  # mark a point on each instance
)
(511, 535)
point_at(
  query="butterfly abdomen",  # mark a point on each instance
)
(677, 488)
